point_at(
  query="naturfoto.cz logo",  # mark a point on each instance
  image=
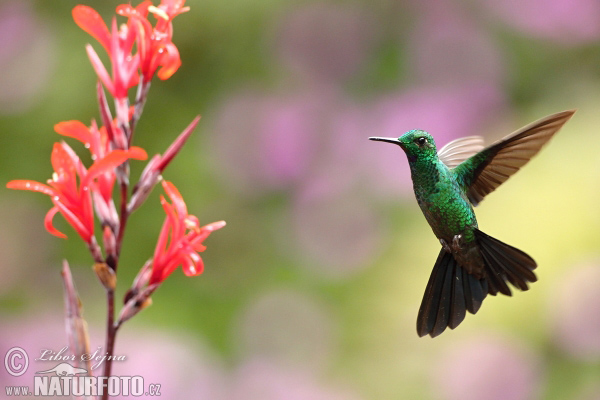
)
(65, 379)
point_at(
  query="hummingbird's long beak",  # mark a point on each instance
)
(384, 139)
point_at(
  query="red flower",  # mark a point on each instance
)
(96, 140)
(173, 8)
(118, 45)
(180, 239)
(155, 46)
(71, 186)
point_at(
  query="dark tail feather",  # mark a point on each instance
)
(504, 263)
(474, 290)
(450, 292)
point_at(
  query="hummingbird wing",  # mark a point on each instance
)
(459, 150)
(485, 171)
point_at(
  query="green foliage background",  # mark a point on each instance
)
(550, 209)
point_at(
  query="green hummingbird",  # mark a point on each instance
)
(447, 185)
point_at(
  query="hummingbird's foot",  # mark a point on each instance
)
(446, 246)
(457, 243)
(467, 256)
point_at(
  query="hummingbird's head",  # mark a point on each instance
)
(416, 144)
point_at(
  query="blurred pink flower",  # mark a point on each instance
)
(289, 138)
(325, 41)
(337, 232)
(289, 328)
(27, 56)
(456, 52)
(445, 112)
(563, 21)
(183, 367)
(180, 364)
(260, 379)
(487, 367)
(32, 333)
(273, 142)
(576, 319)
(237, 138)
(311, 145)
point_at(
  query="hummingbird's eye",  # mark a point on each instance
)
(421, 141)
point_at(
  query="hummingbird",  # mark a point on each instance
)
(447, 185)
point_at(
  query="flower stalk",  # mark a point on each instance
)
(138, 50)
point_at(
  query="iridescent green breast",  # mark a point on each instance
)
(442, 200)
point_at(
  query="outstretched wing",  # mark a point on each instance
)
(488, 169)
(459, 150)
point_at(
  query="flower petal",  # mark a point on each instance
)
(197, 239)
(173, 7)
(49, 226)
(163, 238)
(214, 226)
(74, 129)
(63, 160)
(137, 153)
(100, 70)
(140, 10)
(90, 21)
(193, 268)
(81, 219)
(31, 185)
(170, 61)
(176, 228)
(114, 159)
(176, 199)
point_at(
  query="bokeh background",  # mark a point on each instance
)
(312, 289)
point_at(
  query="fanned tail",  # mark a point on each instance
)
(450, 292)
(503, 264)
